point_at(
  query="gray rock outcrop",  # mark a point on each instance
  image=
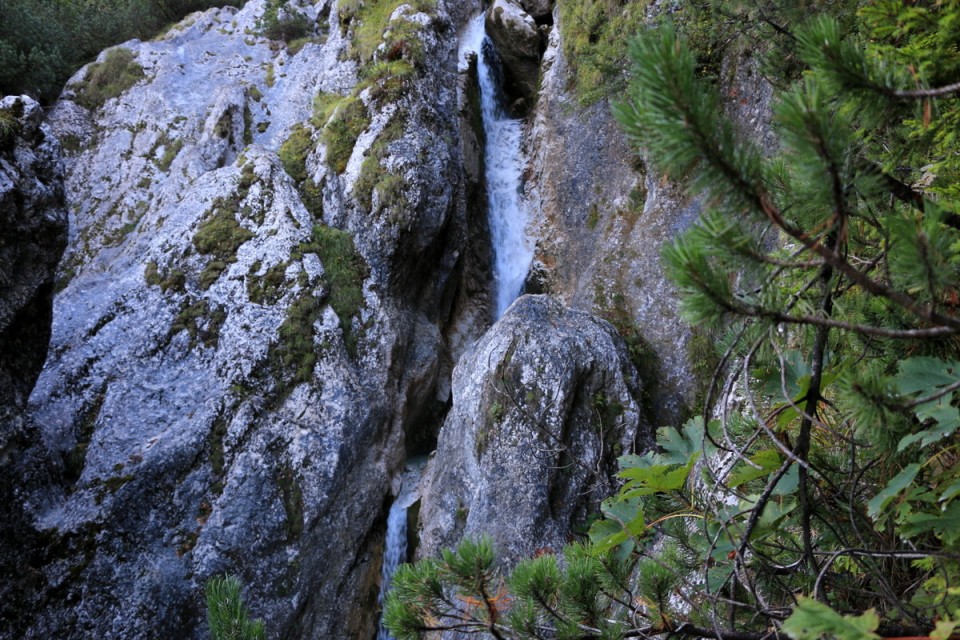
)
(603, 220)
(543, 405)
(252, 320)
(517, 39)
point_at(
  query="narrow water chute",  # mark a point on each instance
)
(512, 247)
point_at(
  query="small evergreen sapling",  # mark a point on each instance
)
(227, 616)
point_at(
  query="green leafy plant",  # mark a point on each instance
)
(108, 79)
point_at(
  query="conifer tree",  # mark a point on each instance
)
(820, 496)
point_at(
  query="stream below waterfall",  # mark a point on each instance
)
(395, 550)
(512, 247)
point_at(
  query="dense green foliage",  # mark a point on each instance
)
(42, 42)
(823, 498)
(227, 616)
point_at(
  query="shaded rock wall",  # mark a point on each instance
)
(33, 220)
(33, 234)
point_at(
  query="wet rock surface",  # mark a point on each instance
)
(543, 404)
(517, 39)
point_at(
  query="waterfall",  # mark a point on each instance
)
(395, 546)
(512, 247)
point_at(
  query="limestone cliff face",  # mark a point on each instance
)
(604, 216)
(242, 342)
(277, 255)
(603, 221)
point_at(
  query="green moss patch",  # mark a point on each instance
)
(346, 123)
(170, 152)
(344, 272)
(201, 323)
(268, 288)
(595, 33)
(294, 151)
(174, 279)
(108, 79)
(76, 459)
(370, 19)
(294, 355)
(292, 496)
(220, 235)
(374, 177)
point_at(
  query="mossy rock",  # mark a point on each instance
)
(348, 121)
(108, 79)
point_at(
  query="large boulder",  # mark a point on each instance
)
(543, 405)
(515, 34)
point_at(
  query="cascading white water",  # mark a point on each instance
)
(512, 247)
(395, 547)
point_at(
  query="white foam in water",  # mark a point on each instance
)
(395, 546)
(394, 554)
(512, 247)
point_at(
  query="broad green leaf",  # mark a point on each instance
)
(944, 524)
(658, 479)
(679, 445)
(944, 629)
(774, 512)
(607, 534)
(945, 417)
(768, 460)
(789, 483)
(922, 375)
(951, 492)
(811, 620)
(896, 486)
(625, 511)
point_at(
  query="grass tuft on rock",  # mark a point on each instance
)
(108, 79)
(219, 235)
(346, 123)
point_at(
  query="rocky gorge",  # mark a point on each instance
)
(278, 284)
